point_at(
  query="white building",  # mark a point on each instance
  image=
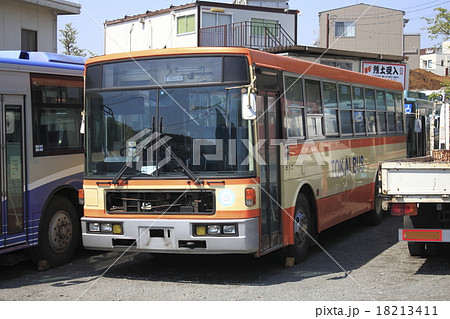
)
(436, 61)
(31, 25)
(205, 23)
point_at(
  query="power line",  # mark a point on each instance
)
(421, 5)
(429, 7)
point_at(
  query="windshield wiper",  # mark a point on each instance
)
(186, 169)
(140, 148)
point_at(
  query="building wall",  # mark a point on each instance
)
(377, 30)
(437, 63)
(411, 50)
(145, 33)
(15, 16)
(436, 60)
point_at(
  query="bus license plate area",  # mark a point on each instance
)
(155, 238)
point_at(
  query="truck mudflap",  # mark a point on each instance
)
(424, 235)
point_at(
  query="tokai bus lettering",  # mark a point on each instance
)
(347, 166)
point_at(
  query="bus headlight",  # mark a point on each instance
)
(106, 227)
(94, 227)
(229, 229)
(213, 229)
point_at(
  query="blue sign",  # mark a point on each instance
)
(408, 108)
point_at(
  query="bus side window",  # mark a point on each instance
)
(369, 97)
(381, 111)
(358, 113)
(330, 112)
(399, 109)
(57, 102)
(294, 107)
(345, 109)
(314, 108)
(390, 105)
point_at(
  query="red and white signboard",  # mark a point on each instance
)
(391, 71)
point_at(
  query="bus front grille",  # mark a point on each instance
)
(159, 202)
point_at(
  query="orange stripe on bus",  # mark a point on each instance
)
(228, 214)
(177, 182)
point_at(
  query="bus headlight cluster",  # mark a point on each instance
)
(215, 230)
(105, 228)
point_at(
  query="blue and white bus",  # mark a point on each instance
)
(41, 153)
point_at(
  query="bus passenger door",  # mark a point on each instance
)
(268, 120)
(12, 185)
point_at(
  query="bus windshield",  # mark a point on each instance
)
(137, 131)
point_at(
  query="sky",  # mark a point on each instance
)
(89, 23)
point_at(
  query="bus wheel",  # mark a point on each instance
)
(303, 229)
(375, 216)
(60, 232)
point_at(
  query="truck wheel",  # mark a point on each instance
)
(303, 229)
(375, 216)
(415, 249)
(59, 233)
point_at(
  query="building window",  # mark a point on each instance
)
(346, 65)
(215, 19)
(344, 29)
(29, 40)
(186, 24)
(430, 64)
(262, 27)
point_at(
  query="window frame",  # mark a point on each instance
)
(38, 109)
(316, 118)
(31, 43)
(335, 108)
(372, 115)
(264, 23)
(348, 27)
(300, 106)
(186, 24)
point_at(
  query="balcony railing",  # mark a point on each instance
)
(245, 34)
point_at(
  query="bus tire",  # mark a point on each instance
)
(375, 216)
(303, 229)
(59, 232)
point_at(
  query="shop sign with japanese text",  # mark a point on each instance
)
(391, 71)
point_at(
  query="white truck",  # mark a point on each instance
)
(419, 190)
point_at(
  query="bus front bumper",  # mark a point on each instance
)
(173, 235)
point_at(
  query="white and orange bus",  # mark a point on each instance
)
(231, 150)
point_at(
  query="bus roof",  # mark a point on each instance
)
(43, 59)
(263, 59)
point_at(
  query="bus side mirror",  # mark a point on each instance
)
(248, 105)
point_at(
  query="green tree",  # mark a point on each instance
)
(69, 42)
(439, 25)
